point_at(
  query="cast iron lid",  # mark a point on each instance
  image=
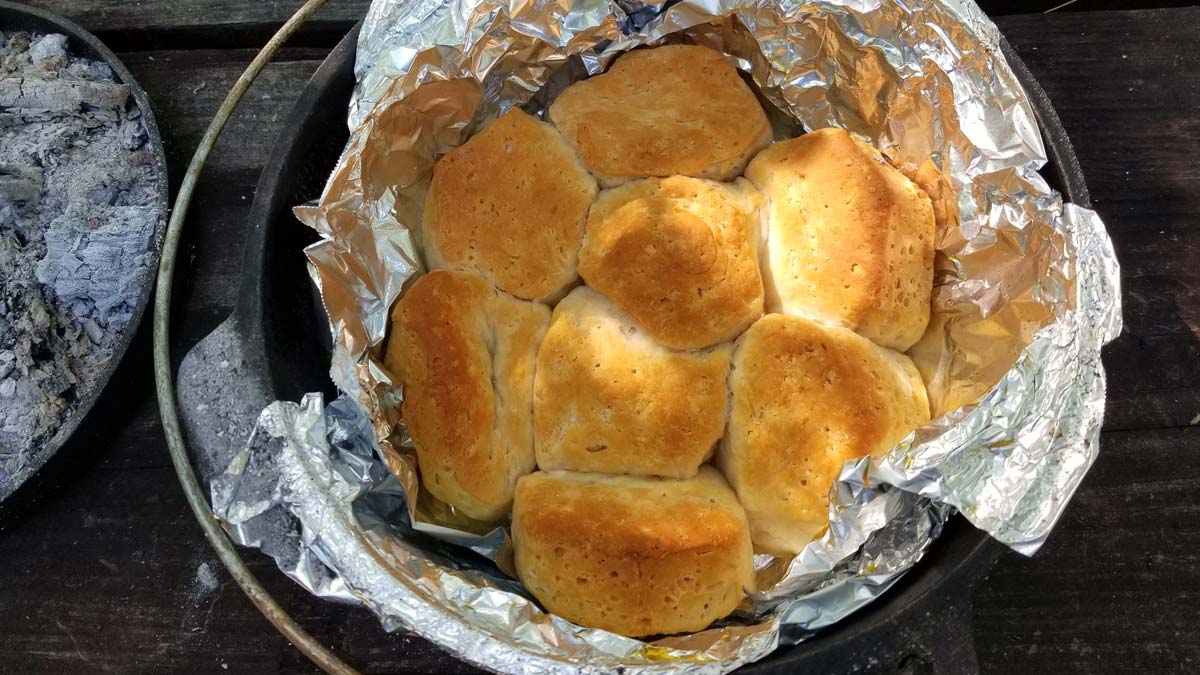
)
(14, 17)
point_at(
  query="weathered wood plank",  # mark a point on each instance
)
(119, 579)
(1164, 408)
(207, 24)
(1117, 87)
(186, 88)
(1113, 585)
(1107, 590)
(204, 24)
(1138, 364)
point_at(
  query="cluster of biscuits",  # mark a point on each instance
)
(760, 319)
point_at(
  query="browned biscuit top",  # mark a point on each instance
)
(464, 353)
(849, 239)
(679, 254)
(805, 398)
(636, 556)
(671, 110)
(510, 204)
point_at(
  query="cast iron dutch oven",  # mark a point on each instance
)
(922, 625)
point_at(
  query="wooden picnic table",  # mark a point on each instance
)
(104, 569)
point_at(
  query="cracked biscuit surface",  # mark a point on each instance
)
(464, 353)
(849, 239)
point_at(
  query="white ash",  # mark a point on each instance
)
(204, 584)
(79, 210)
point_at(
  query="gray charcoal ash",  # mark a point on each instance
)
(19, 185)
(94, 332)
(134, 135)
(78, 214)
(63, 97)
(99, 70)
(105, 195)
(48, 48)
(93, 253)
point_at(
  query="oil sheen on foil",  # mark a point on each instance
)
(1026, 293)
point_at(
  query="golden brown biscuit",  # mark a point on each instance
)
(849, 239)
(671, 110)
(510, 204)
(465, 353)
(635, 556)
(806, 398)
(608, 398)
(679, 254)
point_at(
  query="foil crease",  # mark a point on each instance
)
(1026, 294)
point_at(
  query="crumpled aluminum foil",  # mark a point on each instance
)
(1026, 293)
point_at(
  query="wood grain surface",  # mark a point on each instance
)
(102, 568)
(207, 24)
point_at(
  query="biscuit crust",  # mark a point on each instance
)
(849, 239)
(679, 254)
(805, 398)
(608, 398)
(464, 353)
(510, 204)
(636, 556)
(665, 111)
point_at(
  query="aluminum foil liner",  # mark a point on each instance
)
(1026, 293)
